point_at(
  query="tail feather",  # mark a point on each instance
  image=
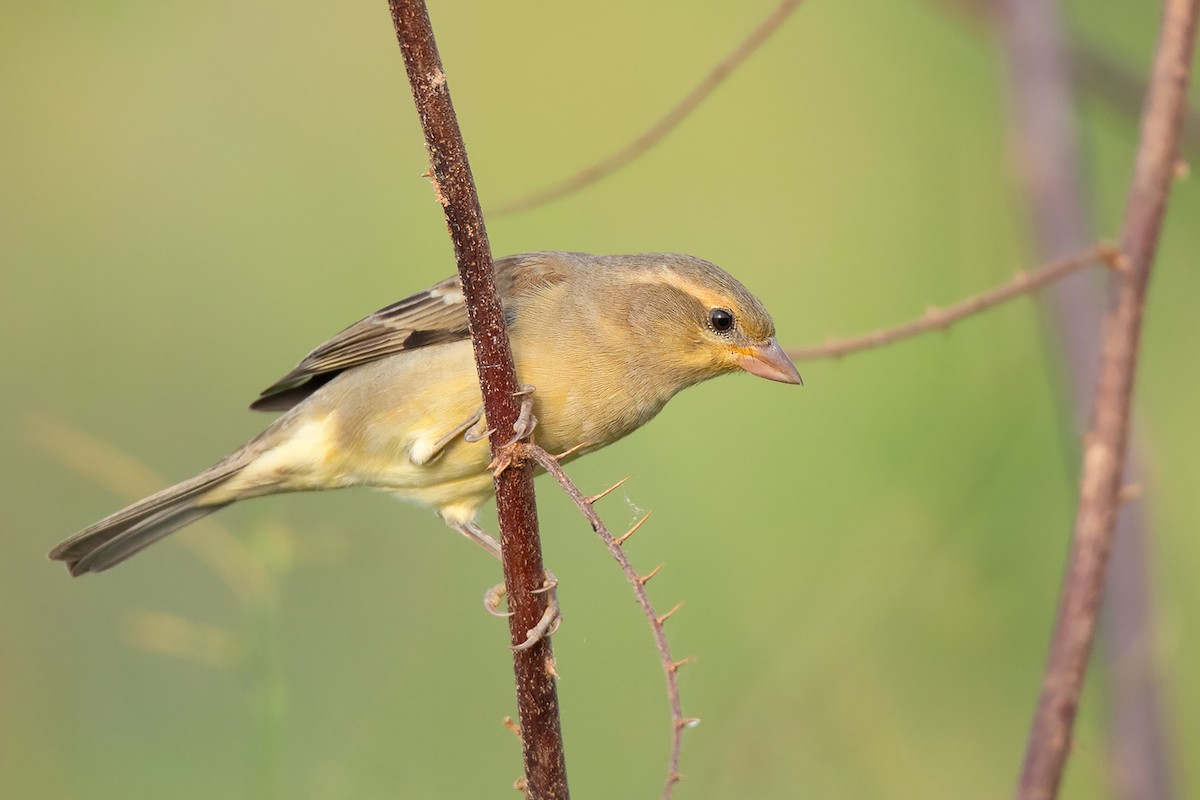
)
(130, 530)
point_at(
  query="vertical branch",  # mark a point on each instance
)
(1106, 442)
(1046, 148)
(537, 697)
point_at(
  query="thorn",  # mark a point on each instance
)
(522, 786)
(592, 500)
(512, 726)
(688, 722)
(553, 673)
(574, 449)
(669, 614)
(646, 578)
(675, 665)
(621, 539)
(428, 173)
(503, 460)
(674, 777)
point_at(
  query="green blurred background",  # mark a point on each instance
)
(194, 195)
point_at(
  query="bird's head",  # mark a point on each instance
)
(701, 321)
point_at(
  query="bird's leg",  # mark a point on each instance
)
(551, 617)
(465, 428)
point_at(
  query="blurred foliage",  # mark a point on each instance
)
(193, 195)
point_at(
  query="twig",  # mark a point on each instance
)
(537, 697)
(656, 132)
(670, 666)
(1046, 145)
(1106, 442)
(940, 319)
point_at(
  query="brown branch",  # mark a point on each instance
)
(1042, 111)
(942, 318)
(670, 666)
(537, 697)
(1106, 442)
(656, 132)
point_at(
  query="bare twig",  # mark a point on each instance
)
(1042, 110)
(940, 319)
(537, 697)
(1106, 442)
(656, 132)
(670, 666)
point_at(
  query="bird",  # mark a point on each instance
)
(392, 403)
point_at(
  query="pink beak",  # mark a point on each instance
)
(769, 361)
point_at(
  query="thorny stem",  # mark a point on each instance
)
(670, 666)
(537, 697)
(1105, 443)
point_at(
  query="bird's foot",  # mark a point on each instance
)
(508, 452)
(526, 421)
(478, 430)
(551, 617)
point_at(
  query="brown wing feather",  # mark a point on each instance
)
(433, 316)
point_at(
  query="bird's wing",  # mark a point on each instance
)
(434, 316)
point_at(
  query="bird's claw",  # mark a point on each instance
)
(551, 617)
(492, 599)
(546, 626)
(477, 433)
(526, 421)
(522, 429)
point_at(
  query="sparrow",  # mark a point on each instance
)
(393, 402)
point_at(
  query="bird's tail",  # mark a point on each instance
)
(130, 530)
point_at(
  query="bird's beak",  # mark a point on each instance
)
(768, 361)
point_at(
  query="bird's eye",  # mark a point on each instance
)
(721, 320)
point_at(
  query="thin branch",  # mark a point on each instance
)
(670, 666)
(1106, 442)
(537, 697)
(656, 132)
(1042, 106)
(940, 319)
